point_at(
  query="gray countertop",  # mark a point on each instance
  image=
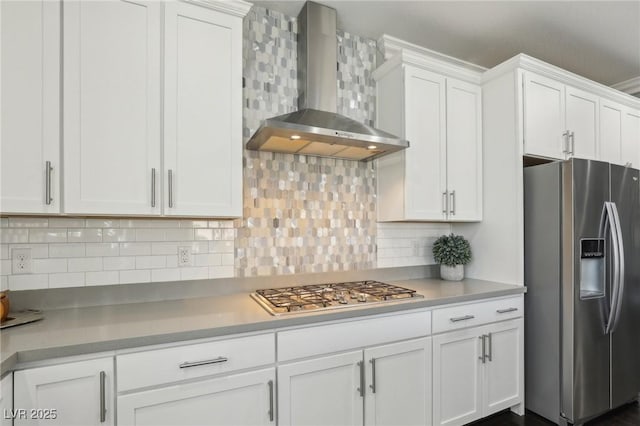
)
(77, 331)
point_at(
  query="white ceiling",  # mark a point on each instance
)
(599, 40)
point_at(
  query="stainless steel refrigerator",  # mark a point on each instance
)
(582, 272)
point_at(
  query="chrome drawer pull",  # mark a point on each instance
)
(270, 413)
(464, 318)
(218, 360)
(103, 399)
(504, 311)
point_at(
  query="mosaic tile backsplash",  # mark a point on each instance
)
(303, 214)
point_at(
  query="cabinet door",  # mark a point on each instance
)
(464, 150)
(544, 117)
(631, 138)
(111, 106)
(240, 399)
(457, 377)
(6, 398)
(398, 378)
(611, 131)
(582, 120)
(322, 391)
(425, 160)
(504, 369)
(76, 391)
(202, 112)
(30, 106)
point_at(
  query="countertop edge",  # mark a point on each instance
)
(9, 363)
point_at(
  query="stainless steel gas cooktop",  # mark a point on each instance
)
(316, 297)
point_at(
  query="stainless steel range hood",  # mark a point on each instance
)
(316, 128)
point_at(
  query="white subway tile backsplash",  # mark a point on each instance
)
(5, 267)
(194, 273)
(136, 276)
(66, 280)
(211, 259)
(14, 235)
(63, 222)
(164, 248)
(150, 262)
(221, 247)
(4, 283)
(135, 249)
(84, 235)
(69, 252)
(102, 278)
(66, 250)
(85, 264)
(119, 263)
(48, 266)
(204, 234)
(102, 223)
(118, 235)
(102, 249)
(28, 281)
(167, 274)
(28, 222)
(47, 235)
(221, 272)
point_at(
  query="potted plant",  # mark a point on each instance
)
(452, 252)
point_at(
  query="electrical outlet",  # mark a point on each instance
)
(21, 261)
(184, 256)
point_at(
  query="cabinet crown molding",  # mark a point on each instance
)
(397, 52)
(237, 8)
(528, 63)
(631, 86)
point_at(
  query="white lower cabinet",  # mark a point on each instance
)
(321, 391)
(393, 382)
(477, 371)
(6, 400)
(237, 399)
(78, 393)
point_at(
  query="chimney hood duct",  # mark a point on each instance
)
(316, 129)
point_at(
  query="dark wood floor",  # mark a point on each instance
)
(628, 415)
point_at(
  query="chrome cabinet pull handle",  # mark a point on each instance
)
(445, 202)
(170, 188)
(153, 187)
(47, 183)
(270, 385)
(373, 375)
(453, 203)
(507, 310)
(490, 354)
(572, 137)
(484, 349)
(218, 360)
(361, 388)
(565, 142)
(103, 401)
(463, 318)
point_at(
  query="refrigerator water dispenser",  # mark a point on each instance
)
(592, 268)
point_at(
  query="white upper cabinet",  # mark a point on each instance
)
(439, 177)
(202, 112)
(582, 123)
(111, 106)
(30, 140)
(631, 137)
(464, 151)
(611, 114)
(544, 117)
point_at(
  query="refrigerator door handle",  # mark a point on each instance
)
(617, 308)
(607, 225)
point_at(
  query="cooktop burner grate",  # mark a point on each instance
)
(329, 296)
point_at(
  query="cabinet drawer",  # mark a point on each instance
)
(160, 366)
(323, 339)
(473, 314)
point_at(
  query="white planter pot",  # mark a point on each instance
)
(452, 273)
